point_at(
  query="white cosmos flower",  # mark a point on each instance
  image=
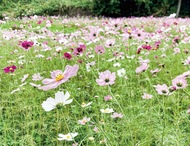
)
(121, 72)
(85, 104)
(67, 137)
(60, 98)
(107, 110)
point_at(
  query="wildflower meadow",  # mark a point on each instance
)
(89, 81)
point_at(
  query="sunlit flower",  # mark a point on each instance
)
(146, 96)
(86, 104)
(179, 82)
(58, 77)
(60, 99)
(108, 97)
(26, 44)
(67, 137)
(99, 50)
(67, 56)
(106, 78)
(187, 61)
(37, 77)
(121, 72)
(188, 111)
(143, 67)
(84, 121)
(107, 110)
(91, 138)
(162, 89)
(155, 71)
(9, 69)
(24, 78)
(117, 115)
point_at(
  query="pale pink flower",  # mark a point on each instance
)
(155, 71)
(176, 50)
(146, 96)
(109, 43)
(36, 77)
(117, 115)
(106, 78)
(35, 85)
(143, 67)
(84, 121)
(187, 61)
(24, 78)
(58, 77)
(99, 50)
(107, 98)
(162, 89)
(179, 82)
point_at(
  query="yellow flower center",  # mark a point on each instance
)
(10, 68)
(59, 77)
(68, 137)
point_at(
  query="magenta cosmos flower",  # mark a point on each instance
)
(58, 77)
(9, 69)
(26, 44)
(106, 78)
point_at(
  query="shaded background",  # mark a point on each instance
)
(108, 8)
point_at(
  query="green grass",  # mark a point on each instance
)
(160, 121)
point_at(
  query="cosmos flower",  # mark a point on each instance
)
(162, 89)
(60, 99)
(107, 110)
(146, 96)
(106, 78)
(24, 78)
(9, 69)
(143, 67)
(67, 137)
(26, 44)
(67, 56)
(84, 121)
(187, 61)
(86, 104)
(58, 77)
(108, 97)
(37, 77)
(99, 50)
(121, 72)
(117, 115)
(179, 82)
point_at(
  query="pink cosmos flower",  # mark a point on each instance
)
(117, 115)
(99, 50)
(162, 89)
(179, 82)
(146, 96)
(58, 77)
(79, 50)
(84, 121)
(187, 61)
(142, 68)
(108, 97)
(9, 69)
(26, 44)
(106, 78)
(37, 77)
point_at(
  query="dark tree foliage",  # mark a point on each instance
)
(109, 8)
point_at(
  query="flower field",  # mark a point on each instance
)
(86, 81)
